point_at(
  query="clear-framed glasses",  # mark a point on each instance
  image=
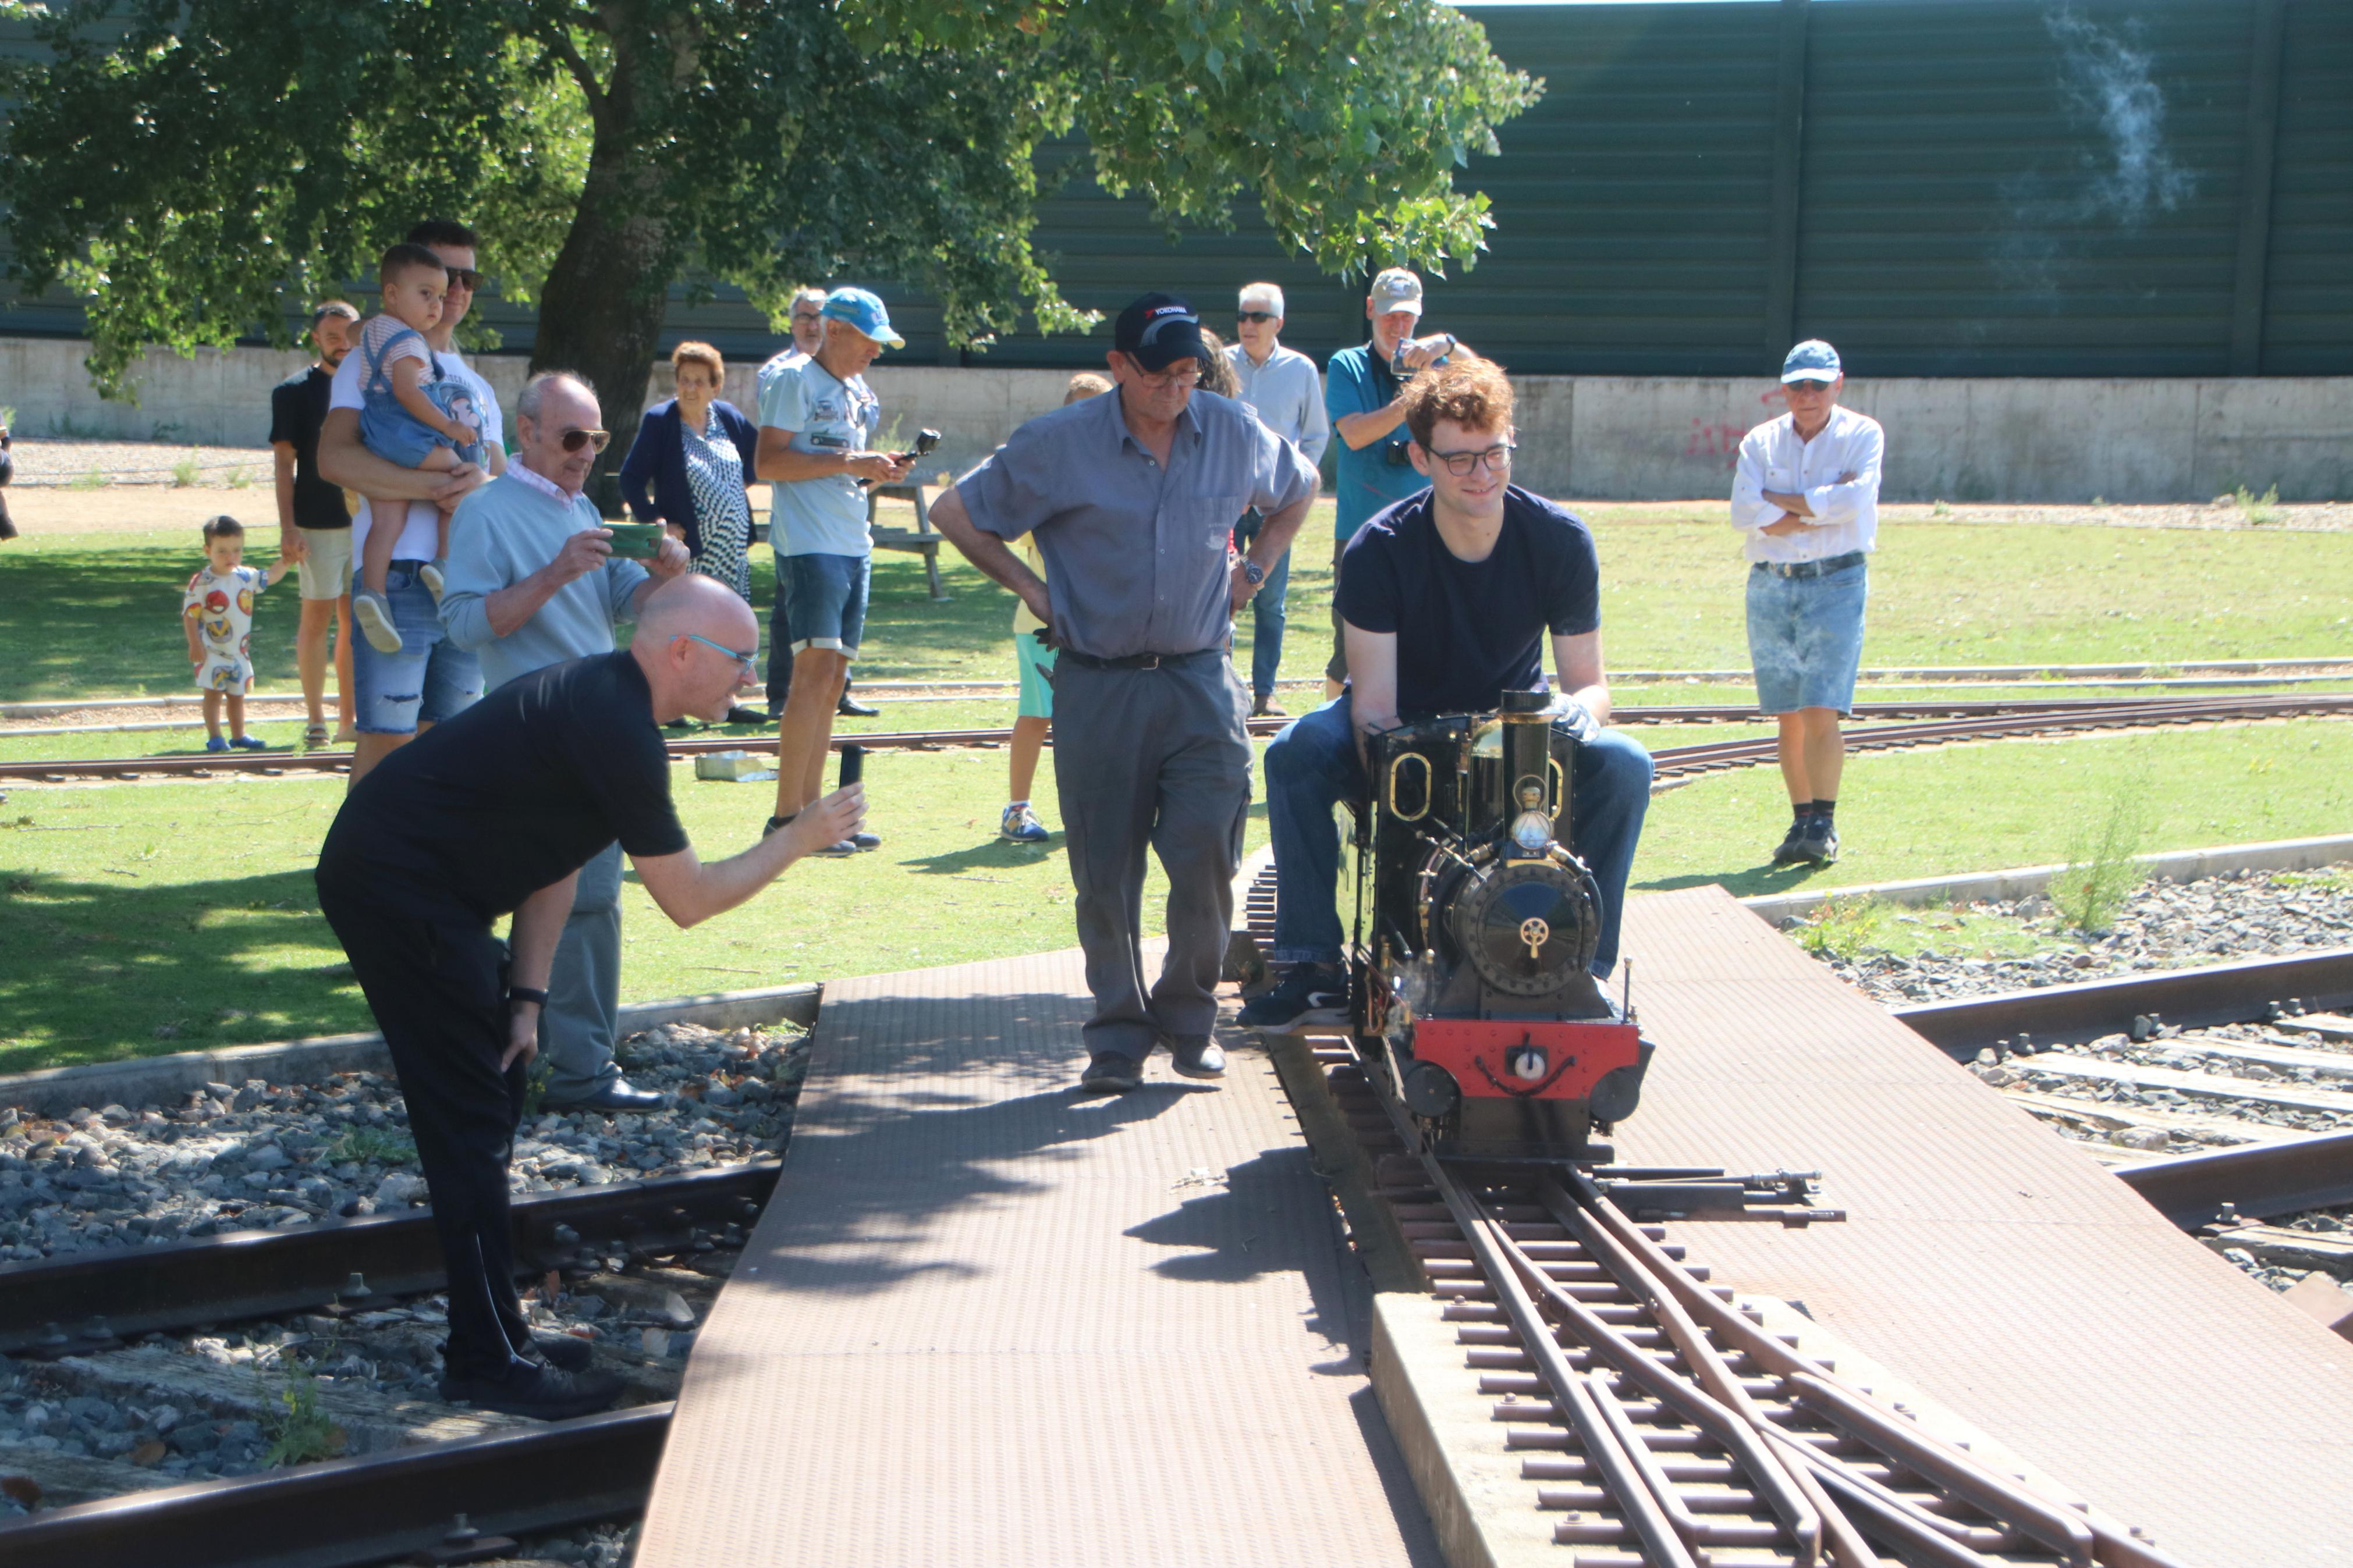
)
(1495, 458)
(749, 661)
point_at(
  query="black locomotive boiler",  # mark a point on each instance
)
(1476, 927)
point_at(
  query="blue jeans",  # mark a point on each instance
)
(1805, 638)
(429, 680)
(1267, 612)
(1312, 767)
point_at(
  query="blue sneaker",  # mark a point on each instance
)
(249, 743)
(1021, 825)
(216, 743)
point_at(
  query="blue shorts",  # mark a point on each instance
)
(826, 600)
(1805, 638)
(429, 680)
(1037, 662)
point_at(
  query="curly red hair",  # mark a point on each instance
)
(1468, 390)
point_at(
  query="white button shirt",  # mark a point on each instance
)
(1846, 514)
(1288, 396)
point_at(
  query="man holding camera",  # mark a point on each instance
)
(532, 582)
(1132, 497)
(1364, 393)
(1448, 600)
(818, 420)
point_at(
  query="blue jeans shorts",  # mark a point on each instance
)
(1805, 638)
(429, 680)
(828, 600)
(1037, 662)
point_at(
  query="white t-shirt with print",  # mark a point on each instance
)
(825, 516)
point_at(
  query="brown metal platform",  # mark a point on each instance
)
(1992, 1265)
(986, 1321)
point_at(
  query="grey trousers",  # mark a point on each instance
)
(577, 1026)
(1157, 757)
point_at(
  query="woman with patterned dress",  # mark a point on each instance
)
(696, 449)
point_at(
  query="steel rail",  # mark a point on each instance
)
(2237, 992)
(2061, 717)
(346, 1513)
(2257, 1181)
(46, 1308)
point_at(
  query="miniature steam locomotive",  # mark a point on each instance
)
(1475, 931)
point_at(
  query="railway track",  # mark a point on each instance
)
(2223, 1095)
(438, 1502)
(1896, 726)
(1659, 1424)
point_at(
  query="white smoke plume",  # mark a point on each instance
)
(2106, 81)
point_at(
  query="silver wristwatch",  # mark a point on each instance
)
(1252, 572)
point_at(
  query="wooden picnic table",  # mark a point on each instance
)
(922, 540)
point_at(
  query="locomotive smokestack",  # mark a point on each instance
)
(1527, 752)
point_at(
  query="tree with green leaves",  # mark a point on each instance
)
(198, 170)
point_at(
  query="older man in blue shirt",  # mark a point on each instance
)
(1132, 498)
(533, 581)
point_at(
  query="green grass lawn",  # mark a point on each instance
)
(151, 918)
(91, 615)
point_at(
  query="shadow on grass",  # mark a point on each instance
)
(996, 854)
(99, 972)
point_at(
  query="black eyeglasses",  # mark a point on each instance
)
(465, 278)
(1259, 316)
(574, 439)
(1495, 459)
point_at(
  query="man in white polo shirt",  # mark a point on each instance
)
(1806, 495)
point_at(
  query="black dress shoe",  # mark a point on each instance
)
(865, 840)
(612, 1095)
(851, 707)
(546, 1393)
(1111, 1073)
(745, 715)
(568, 1351)
(1197, 1056)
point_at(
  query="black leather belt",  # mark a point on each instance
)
(1133, 660)
(1822, 568)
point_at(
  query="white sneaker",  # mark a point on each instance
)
(430, 575)
(374, 613)
(1021, 825)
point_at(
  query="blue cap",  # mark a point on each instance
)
(863, 311)
(1812, 359)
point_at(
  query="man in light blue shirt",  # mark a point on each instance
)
(818, 420)
(1281, 384)
(532, 582)
(1364, 391)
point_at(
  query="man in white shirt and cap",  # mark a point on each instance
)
(1283, 386)
(1806, 494)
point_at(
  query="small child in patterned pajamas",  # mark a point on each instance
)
(218, 612)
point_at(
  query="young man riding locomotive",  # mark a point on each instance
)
(1448, 598)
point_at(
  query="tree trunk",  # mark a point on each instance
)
(600, 315)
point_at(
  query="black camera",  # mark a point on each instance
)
(1394, 455)
(925, 441)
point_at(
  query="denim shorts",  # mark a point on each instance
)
(1037, 662)
(1805, 638)
(429, 680)
(828, 600)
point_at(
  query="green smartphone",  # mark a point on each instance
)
(638, 540)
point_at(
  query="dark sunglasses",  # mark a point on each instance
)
(574, 439)
(1259, 316)
(465, 278)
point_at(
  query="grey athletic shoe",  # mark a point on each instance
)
(373, 611)
(1792, 847)
(1821, 844)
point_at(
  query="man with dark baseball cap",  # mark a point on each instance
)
(1132, 497)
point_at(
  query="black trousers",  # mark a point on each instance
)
(437, 985)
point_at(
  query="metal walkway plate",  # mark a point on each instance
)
(1985, 1260)
(986, 1321)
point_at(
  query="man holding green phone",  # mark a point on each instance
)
(536, 577)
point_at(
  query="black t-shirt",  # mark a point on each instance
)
(516, 792)
(298, 407)
(1468, 631)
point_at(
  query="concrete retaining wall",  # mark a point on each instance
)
(1620, 438)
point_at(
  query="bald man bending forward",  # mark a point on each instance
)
(491, 812)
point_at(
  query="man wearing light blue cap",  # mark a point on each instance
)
(1807, 496)
(818, 420)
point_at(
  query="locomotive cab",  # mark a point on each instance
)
(1475, 931)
